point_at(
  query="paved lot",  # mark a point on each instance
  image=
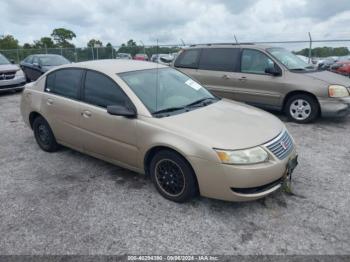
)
(69, 203)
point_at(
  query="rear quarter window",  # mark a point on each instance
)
(64, 82)
(188, 58)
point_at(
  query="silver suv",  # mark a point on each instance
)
(11, 76)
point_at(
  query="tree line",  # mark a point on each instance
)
(62, 37)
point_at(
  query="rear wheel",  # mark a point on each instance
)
(43, 135)
(302, 108)
(173, 176)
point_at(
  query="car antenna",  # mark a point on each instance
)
(157, 77)
(236, 39)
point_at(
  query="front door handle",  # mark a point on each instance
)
(243, 78)
(86, 114)
(49, 101)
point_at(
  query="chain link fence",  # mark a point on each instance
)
(110, 52)
(72, 54)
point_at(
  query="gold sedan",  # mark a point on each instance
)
(153, 119)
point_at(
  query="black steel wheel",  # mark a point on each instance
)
(43, 135)
(173, 176)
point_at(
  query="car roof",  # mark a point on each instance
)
(231, 45)
(114, 66)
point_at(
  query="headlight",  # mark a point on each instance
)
(243, 157)
(337, 91)
(19, 73)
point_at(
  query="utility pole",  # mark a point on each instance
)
(144, 49)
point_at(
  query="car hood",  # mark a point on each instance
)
(330, 78)
(225, 124)
(8, 67)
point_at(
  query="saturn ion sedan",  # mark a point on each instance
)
(155, 120)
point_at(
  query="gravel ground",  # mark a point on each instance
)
(70, 203)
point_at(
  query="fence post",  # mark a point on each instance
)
(310, 47)
(112, 51)
(92, 52)
(75, 54)
(17, 56)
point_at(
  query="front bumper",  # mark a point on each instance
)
(334, 107)
(16, 83)
(219, 181)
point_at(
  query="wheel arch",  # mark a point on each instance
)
(298, 92)
(32, 116)
(151, 152)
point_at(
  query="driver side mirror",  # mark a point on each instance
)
(118, 110)
(273, 70)
(37, 65)
(12, 61)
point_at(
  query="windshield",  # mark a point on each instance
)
(53, 60)
(288, 59)
(3, 60)
(175, 90)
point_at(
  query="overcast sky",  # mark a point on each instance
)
(194, 21)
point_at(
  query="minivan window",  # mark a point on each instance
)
(102, 91)
(64, 82)
(188, 58)
(288, 59)
(3, 60)
(219, 59)
(255, 62)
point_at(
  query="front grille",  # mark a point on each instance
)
(7, 75)
(281, 146)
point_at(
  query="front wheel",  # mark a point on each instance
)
(302, 108)
(173, 176)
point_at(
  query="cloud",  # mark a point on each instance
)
(195, 21)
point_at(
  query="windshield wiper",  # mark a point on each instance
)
(167, 110)
(200, 101)
(299, 69)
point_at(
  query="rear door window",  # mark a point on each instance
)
(188, 58)
(220, 59)
(255, 62)
(65, 82)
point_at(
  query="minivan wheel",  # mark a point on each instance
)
(173, 176)
(43, 135)
(302, 108)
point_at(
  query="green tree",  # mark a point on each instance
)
(109, 45)
(62, 37)
(324, 51)
(44, 42)
(8, 42)
(27, 46)
(94, 43)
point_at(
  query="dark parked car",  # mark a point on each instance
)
(36, 65)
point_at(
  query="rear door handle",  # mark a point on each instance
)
(225, 77)
(86, 114)
(243, 78)
(49, 101)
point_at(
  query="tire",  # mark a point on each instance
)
(43, 135)
(173, 176)
(302, 108)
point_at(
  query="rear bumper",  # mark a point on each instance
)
(12, 84)
(334, 107)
